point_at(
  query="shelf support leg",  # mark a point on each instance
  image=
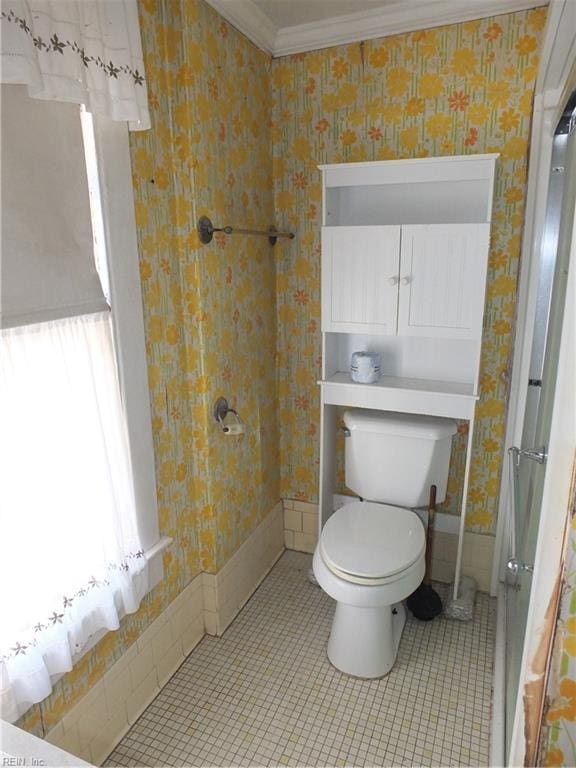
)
(327, 463)
(458, 571)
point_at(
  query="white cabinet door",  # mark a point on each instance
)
(443, 280)
(360, 279)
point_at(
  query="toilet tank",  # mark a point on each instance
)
(394, 458)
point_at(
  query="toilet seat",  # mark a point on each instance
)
(368, 543)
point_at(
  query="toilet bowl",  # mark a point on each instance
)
(369, 558)
(371, 554)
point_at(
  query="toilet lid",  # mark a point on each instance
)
(372, 540)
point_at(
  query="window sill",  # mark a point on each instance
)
(154, 558)
(156, 573)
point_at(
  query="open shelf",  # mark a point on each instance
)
(394, 393)
(397, 382)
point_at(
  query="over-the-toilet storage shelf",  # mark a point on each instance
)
(404, 262)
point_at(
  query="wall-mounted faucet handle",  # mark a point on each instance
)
(514, 567)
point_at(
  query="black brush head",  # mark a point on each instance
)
(425, 603)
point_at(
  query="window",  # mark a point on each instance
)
(110, 182)
(80, 536)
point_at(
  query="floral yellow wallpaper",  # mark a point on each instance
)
(209, 310)
(460, 89)
(559, 747)
(238, 137)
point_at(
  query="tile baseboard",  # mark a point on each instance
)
(93, 727)
(226, 592)
(301, 535)
(300, 525)
(477, 557)
(96, 724)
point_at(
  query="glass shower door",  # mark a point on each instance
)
(527, 462)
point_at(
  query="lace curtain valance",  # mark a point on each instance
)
(81, 51)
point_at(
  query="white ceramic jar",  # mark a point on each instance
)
(365, 367)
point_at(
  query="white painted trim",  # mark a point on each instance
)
(558, 54)
(392, 19)
(117, 196)
(467, 467)
(419, 162)
(156, 561)
(246, 17)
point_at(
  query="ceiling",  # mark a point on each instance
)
(295, 12)
(281, 27)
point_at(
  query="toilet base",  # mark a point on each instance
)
(364, 641)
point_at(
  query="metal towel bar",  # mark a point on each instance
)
(206, 231)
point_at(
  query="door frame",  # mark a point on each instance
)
(551, 547)
(556, 81)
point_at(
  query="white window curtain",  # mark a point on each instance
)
(71, 557)
(71, 562)
(81, 51)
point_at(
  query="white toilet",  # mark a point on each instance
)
(370, 556)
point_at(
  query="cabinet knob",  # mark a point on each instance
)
(393, 280)
(406, 280)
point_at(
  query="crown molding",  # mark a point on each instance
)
(248, 19)
(392, 19)
(399, 17)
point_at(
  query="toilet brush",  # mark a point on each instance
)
(425, 603)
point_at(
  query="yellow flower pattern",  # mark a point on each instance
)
(210, 312)
(559, 744)
(458, 89)
(237, 136)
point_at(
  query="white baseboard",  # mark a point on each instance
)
(96, 724)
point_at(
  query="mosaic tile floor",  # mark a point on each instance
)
(265, 694)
